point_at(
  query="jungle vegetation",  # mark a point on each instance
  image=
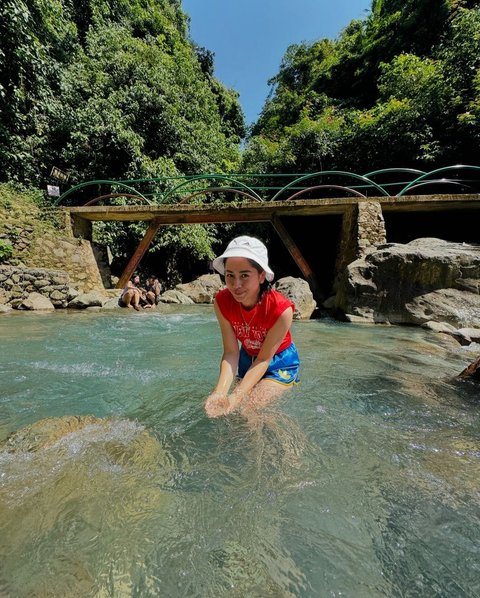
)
(110, 89)
(398, 88)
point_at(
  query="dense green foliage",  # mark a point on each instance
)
(112, 90)
(400, 88)
(109, 90)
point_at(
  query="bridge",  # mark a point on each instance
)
(219, 198)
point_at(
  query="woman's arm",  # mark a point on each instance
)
(217, 403)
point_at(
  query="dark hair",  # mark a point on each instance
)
(265, 286)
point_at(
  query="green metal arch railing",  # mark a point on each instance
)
(270, 191)
(434, 172)
(391, 170)
(339, 187)
(217, 190)
(330, 172)
(109, 195)
(100, 182)
(222, 177)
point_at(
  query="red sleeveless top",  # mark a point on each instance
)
(251, 326)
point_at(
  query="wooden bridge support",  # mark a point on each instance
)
(301, 262)
(139, 253)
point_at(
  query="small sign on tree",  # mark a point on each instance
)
(53, 191)
(60, 175)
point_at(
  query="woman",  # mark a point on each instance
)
(250, 312)
(153, 289)
(131, 294)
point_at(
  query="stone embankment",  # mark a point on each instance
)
(33, 288)
(38, 239)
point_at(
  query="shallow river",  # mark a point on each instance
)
(362, 482)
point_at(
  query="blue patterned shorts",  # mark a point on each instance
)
(283, 368)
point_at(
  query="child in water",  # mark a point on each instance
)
(259, 317)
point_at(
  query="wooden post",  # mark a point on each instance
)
(139, 253)
(301, 262)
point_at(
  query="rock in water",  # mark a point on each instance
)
(89, 491)
(46, 432)
(472, 371)
(298, 291)
(424, 280)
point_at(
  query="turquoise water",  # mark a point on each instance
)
(361, 482)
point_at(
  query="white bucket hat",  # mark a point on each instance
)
(247, 247)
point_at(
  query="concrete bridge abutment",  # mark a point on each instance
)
(363, 227)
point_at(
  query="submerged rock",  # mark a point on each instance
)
(46, 431)
(472, 371)
(122, 440)
(80, 487)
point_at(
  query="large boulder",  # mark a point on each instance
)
(36, 302)
(425, 280)
(203, 289)
(90, 299)
(298, 291)
(176, 297)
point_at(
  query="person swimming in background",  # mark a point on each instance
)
(258, 317)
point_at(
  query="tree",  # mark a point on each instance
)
(112, 90)
(405, 78)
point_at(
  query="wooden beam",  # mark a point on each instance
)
(264, 211)
(301, 262)
(139, 253)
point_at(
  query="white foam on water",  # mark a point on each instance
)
(95, 370)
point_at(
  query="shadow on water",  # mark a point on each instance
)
(362, 481)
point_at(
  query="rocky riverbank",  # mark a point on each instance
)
(42, 289)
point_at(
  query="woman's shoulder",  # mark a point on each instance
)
(223, 295)
(277, 297)
(223, 298)
(277, 302)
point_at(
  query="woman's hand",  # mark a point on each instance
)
(235, 400)
(216, 404)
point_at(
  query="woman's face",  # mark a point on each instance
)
(243, 280)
